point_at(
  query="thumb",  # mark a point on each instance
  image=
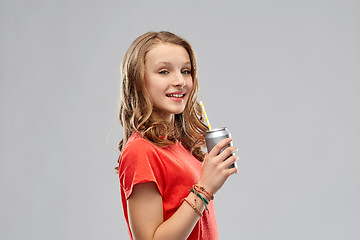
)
(205, 158)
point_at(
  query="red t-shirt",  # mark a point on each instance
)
(173, 169)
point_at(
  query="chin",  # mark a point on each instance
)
(179, 111)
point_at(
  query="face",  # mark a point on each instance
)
(168, 79)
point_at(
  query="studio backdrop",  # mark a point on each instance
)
(282, 76)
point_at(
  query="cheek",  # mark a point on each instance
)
(150, 84)
(189, 84)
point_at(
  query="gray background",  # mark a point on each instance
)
(283, 76)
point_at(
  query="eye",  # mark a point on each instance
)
(164, 72)
(185, 72)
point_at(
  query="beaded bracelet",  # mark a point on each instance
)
(205, 192)
(207, 196)
(201, 197)
(193, 206)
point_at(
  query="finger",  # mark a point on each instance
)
(228, 162)
(227, 152)
(220, 145)
(230, 170)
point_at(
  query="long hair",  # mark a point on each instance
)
(136, 106)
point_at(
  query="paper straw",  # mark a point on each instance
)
(206, 117)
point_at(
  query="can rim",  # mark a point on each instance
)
(216, 129)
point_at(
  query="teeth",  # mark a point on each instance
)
(175, 95)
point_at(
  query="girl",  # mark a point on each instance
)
(167, 181)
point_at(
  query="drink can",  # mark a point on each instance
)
(214, 136)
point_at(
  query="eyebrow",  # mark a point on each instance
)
(169, 63)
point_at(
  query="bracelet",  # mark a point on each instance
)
(201, 197)
(203, 190)
(197, 189)
(193, 206)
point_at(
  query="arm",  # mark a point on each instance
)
(146, 215)
(145, 203)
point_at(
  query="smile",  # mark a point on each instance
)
(175, 95)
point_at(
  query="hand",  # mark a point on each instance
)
(215, 169)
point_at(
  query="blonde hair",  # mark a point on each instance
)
(136, 106)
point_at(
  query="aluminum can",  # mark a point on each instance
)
(214, 136)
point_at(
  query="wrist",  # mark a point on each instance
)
(204, 191)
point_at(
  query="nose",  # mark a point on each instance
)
(179, 80)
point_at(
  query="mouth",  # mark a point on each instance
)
(174, 95)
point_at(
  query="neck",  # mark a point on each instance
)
(170, 119)
(160, 117)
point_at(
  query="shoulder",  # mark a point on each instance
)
(138, 150)
(140, 162)
(137, 144)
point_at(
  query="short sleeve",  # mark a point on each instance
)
(139, 163)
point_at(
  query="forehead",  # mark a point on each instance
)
(167, 52)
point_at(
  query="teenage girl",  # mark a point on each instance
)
(167, 182)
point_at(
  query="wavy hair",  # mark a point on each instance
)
(136, 106)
